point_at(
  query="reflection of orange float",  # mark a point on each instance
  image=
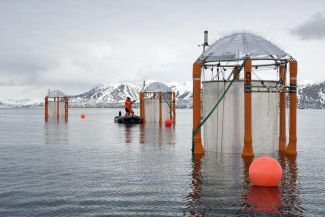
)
(265, 171)
(82, 116)
(264, 199)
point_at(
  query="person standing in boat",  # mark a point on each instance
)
(128, 107)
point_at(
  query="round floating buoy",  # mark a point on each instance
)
(265, 171)
(168, 123)
(82, 116)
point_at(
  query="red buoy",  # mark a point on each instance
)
(82, 116)
(265, 171)
(168, 123)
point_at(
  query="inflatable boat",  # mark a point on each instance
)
(128, 119)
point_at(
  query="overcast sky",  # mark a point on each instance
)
(75, 45)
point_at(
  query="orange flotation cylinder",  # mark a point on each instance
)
(265, 171)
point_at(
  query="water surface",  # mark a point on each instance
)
(93, 167)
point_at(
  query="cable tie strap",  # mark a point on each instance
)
(248, 88)
(293, 89)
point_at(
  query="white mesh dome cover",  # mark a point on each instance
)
(241, 45)
(158, 87)
(224, 130)
(55, 93)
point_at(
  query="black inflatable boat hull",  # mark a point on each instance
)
(128, 119)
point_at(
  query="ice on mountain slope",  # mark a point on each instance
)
(312, 96)
(113, 95)
(22, 102)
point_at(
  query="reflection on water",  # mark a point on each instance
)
(153, 133)
(291, 201)
(56, 133)
(263, 199)
(215, 187)
(128, 133)
(196, 202)
(149, 133)
(246, 183)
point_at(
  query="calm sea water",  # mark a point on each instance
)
(93, 167)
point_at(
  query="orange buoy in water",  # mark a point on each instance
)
(265, 171)
(82, 116)
(168, 123)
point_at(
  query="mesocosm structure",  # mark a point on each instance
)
(243, 111)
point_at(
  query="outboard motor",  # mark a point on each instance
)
(119, 113)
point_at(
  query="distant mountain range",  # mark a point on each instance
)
(24, 102)
(109, 95)
(310, 96)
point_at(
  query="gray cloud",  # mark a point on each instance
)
(314, 28)
(74, 45)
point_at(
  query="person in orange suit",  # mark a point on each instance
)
(128, 106)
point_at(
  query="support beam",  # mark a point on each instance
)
(248, 147)
(291, 148)
(141, 104)
(66, 108)
(170, 106)
(282, 117)
(198, 147)
(197, 179)
(143, 108)
(160, 108)
(58, 108)
(174, 108)
(46, 108)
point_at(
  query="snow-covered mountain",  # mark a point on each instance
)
(24, 102)
(113, 95)
(310, 96)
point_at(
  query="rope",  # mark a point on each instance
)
(196, 130)
(223, 115)
(218, 114)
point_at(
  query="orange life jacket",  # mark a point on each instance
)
(128, 104)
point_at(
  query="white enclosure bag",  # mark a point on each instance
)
(151, 109)
(224, 130)
(53, 109)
